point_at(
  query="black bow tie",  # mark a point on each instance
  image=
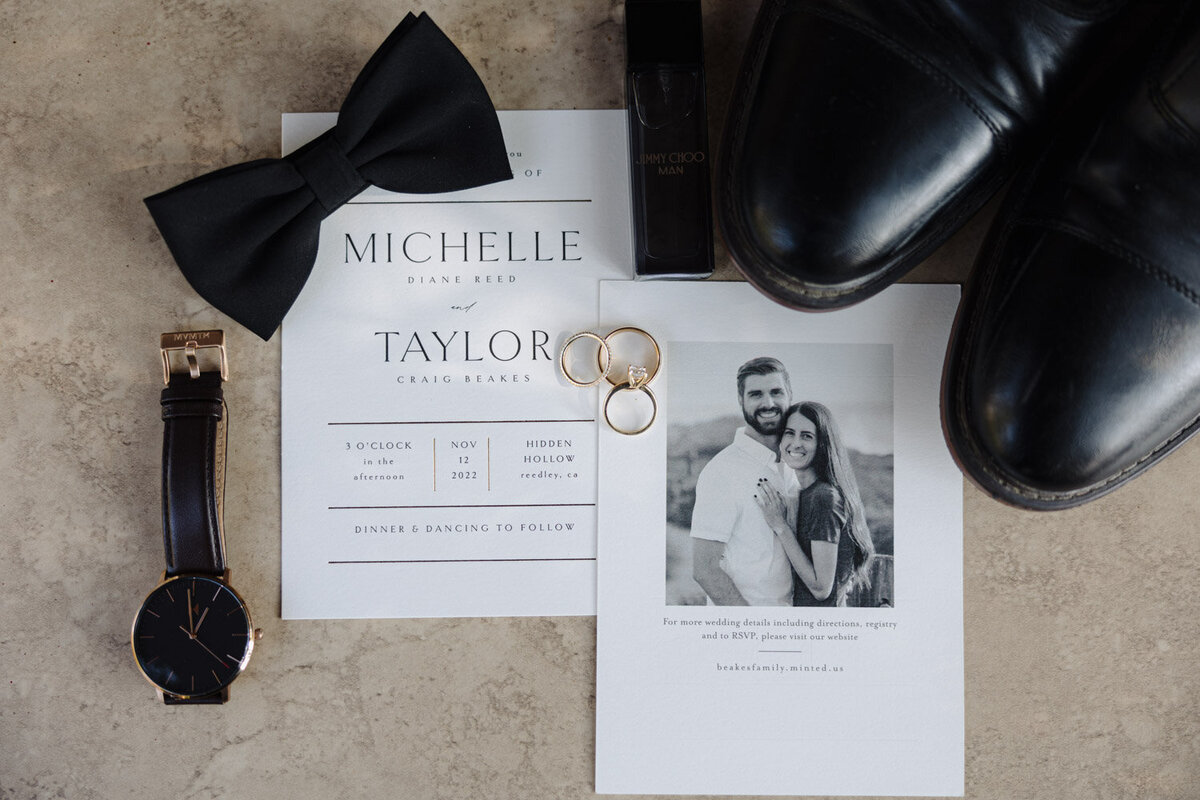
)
(417, 119)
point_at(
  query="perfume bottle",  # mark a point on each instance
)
(668, 139)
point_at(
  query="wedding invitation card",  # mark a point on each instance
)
(807, 690)
(435, 463)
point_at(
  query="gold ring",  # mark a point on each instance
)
(603, 359)
(627, 387)
(650, 372)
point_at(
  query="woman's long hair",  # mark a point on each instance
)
(832, 465)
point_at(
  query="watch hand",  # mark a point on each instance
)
(200, 621)
(210, 652)
(191, 627)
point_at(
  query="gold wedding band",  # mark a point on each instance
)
(603, 359)
(650, 372)
(629, 387)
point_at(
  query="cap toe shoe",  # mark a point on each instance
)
(1075, 361)
(863, 134)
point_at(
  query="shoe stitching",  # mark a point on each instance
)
(738, 115)
(934, 239)
(1158, 94)
(921, 64)
(971, 204)
(770, 13)
(753, 66)
(1179, 73)
(982, 459)
(737, 111)
(991, 282)
(1073, 10)
(1115, 248)
(1170, 116)
(986, 463)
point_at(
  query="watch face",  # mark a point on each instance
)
(192, 636)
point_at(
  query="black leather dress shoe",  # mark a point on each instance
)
(1075, 361)
(863, 133)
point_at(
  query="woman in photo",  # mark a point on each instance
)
(825, 533)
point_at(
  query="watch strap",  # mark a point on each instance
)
(216, 698)
(193, 473)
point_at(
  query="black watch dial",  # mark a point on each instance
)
(192, 636)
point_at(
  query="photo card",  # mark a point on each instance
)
(779, 606)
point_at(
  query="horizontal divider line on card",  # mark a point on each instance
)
(457, 560)
(463, 422)
(485, 505)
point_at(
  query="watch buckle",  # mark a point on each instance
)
(190, 343)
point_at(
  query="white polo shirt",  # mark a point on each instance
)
(726, 511)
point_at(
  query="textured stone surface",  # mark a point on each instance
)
(1082, 627)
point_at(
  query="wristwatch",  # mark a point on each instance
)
(193, 634)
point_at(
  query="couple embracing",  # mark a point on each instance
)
(778, 519)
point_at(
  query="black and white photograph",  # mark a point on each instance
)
(779, 479)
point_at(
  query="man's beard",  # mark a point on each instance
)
(765, 428)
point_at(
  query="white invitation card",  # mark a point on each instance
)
(859, 698)
(434, 461)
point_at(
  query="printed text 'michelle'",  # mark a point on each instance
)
(463, 247)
